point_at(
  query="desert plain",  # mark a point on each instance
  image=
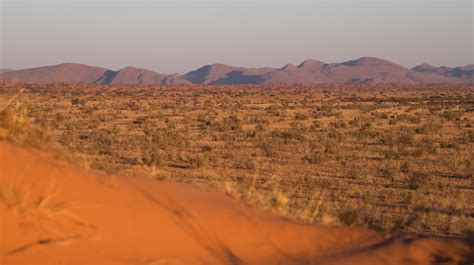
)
(236, 174)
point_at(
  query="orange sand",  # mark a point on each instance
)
(54, 213)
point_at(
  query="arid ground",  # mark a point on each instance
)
(53, 213)
(393, 158)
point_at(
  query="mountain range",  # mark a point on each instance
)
(362, 70)
(459, 72)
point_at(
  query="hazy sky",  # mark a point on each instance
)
(179, 36)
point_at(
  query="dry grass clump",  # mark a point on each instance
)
(18, 127)
(15, 196)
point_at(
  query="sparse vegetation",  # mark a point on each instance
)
(391, 158)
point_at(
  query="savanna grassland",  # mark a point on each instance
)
(389, 157)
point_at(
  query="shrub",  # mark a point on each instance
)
(405, 135)
(351, 171)
(315, 157)
(206, 148)
(339, 124)
(348, 216)
(197, 161)
(268, 148)
(155, 157)
(405, 167)
(231, 123)
(452, 115)
(290, 134)
(244, 163)
(301, 116)
(102, 141)
(417, 180)
(389, 171)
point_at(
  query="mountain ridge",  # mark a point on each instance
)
(361, 70)
(457, 72)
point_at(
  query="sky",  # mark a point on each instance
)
(179, 36)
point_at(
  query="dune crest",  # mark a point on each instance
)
(54, 213)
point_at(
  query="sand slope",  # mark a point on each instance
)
(53, 213)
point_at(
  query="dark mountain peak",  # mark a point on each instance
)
(469, 67)
(66, 64)
(213, 68)
(368, 61)
(220, 65)
(424, 67)
(465, 72)
(288, 67)
(216, 66)
(311, 63)
(71, 66)
(210, 73)
(202, 68)
(131, 69)
(219, 68)
(445, 67)
(134, 75)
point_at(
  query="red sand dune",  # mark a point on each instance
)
(54, 213)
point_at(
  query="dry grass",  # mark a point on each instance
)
(387, 157)
(17, 196)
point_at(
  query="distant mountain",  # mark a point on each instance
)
(210, 73)
(224, 74)
(5, 70)
(66, 72)
(132, 75)
(79, 73)
(466, 72)
(363, 70)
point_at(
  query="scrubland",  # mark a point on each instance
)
(395, 158)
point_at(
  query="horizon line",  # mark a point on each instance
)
(230, 65)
